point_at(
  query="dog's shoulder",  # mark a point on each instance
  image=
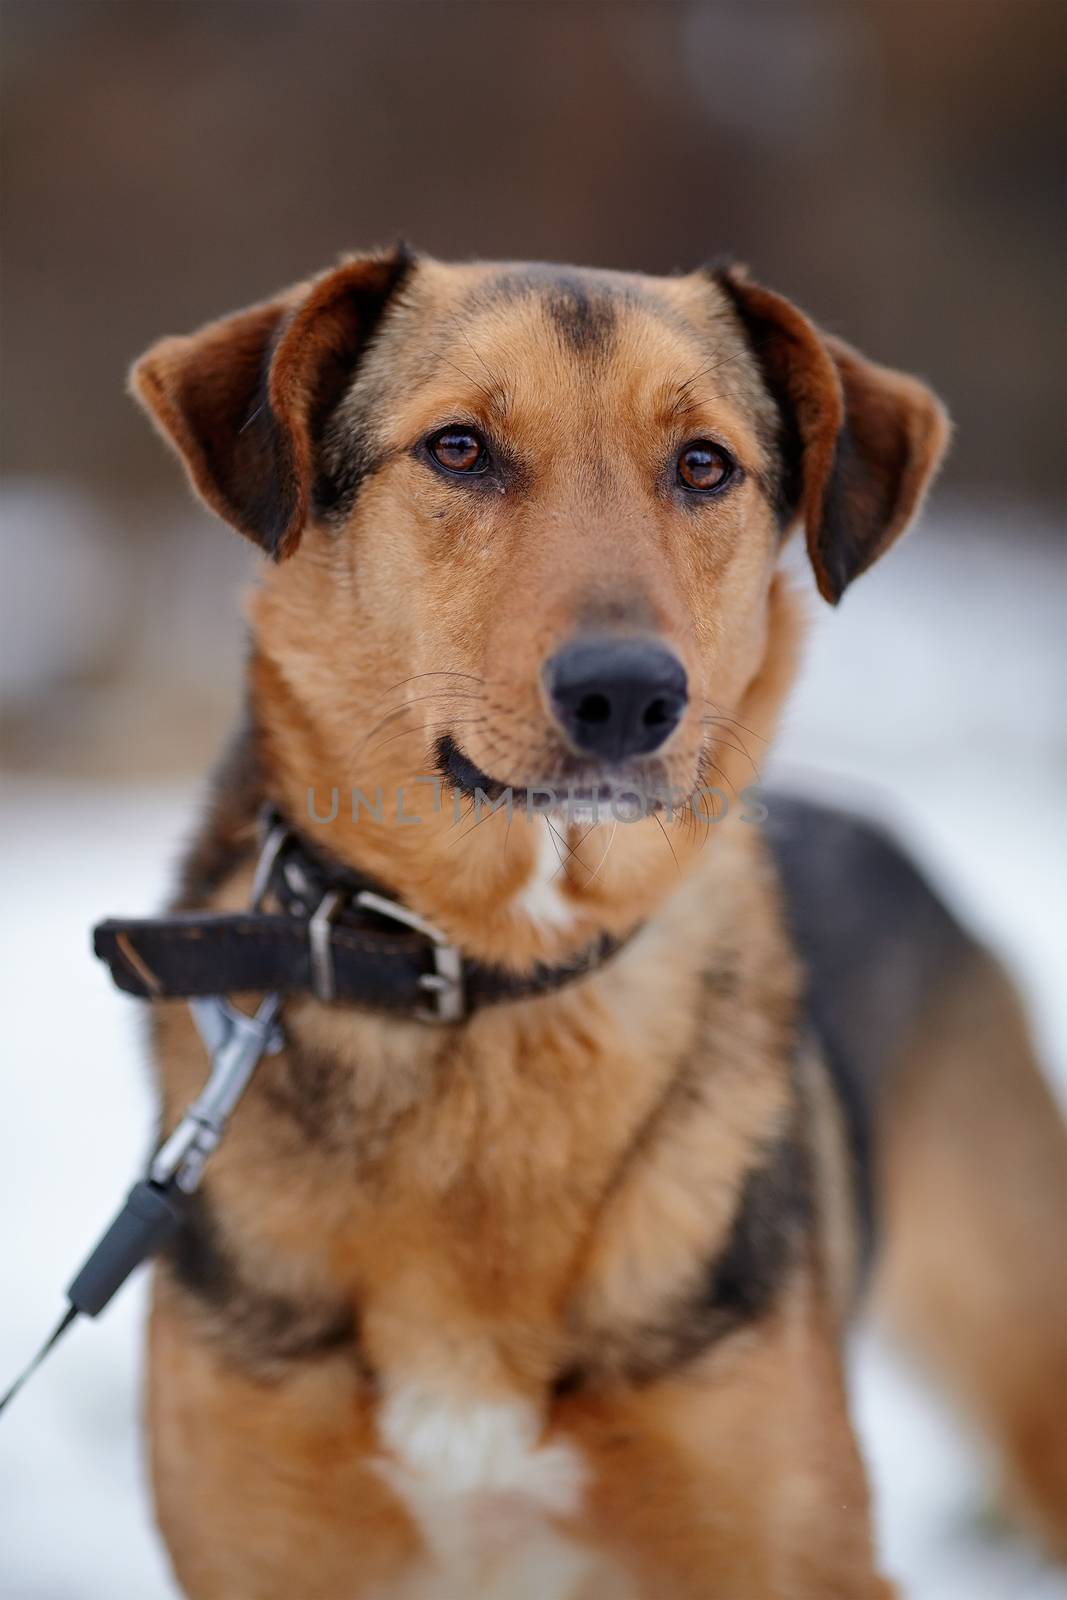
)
(874, 939)
(872, 934)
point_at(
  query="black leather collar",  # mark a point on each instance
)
(334, 934)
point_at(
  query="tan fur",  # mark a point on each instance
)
(537, 1188)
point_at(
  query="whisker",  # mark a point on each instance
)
(481, 387)
(440, 672)
(713, 365)
(670, 847)
(481, 820)
(442, 694)
(726, 716)
(604, 857)
(572, 850)
(497, 386)
(711, 764)
(741, 751)
(556, 836)
(428, 730)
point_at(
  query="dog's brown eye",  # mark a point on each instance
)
(702, 466)
(459, 450)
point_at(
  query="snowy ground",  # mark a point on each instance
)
(934, 696)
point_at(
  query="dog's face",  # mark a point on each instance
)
(569, 481)
(536, 513)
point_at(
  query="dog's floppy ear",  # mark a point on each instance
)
(861, 442)
(243, 399)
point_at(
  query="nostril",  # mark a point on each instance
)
(658, 713)
(593, 708)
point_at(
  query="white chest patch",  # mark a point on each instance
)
(542, 898)
(482, 1492)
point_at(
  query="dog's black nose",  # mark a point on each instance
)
(616, 698)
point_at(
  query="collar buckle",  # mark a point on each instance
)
(275, 837)
(445, 983)
(320, 933)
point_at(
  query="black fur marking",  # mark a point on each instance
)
(570, 1381)
(261, 1326)
(741, 1285)
(771, 1227)
(859, 502)
(344, 455)
(774, 1217)
(875, 942)
(585, 322)
(783, 445)
(247, 454)
(840, 552)
(346, 460)
(584, 309)
(314, 1094)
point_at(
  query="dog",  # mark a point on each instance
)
(546, 1302)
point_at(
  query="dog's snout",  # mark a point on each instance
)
(616, 698)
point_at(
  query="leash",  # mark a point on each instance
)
(336, 935)
(154, 1208)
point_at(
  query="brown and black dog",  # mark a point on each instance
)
(547, 1304)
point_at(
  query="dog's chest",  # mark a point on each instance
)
(490, 1498)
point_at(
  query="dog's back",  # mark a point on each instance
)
(958, 1148)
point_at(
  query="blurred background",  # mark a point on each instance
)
(896, 166)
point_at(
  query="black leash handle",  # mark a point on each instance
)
(146, 1224)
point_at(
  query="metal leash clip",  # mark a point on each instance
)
(235, 1042)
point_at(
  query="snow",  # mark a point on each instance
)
(934, 696)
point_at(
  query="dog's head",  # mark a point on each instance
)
(528, 519)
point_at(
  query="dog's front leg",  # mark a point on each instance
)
(739, 1477)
